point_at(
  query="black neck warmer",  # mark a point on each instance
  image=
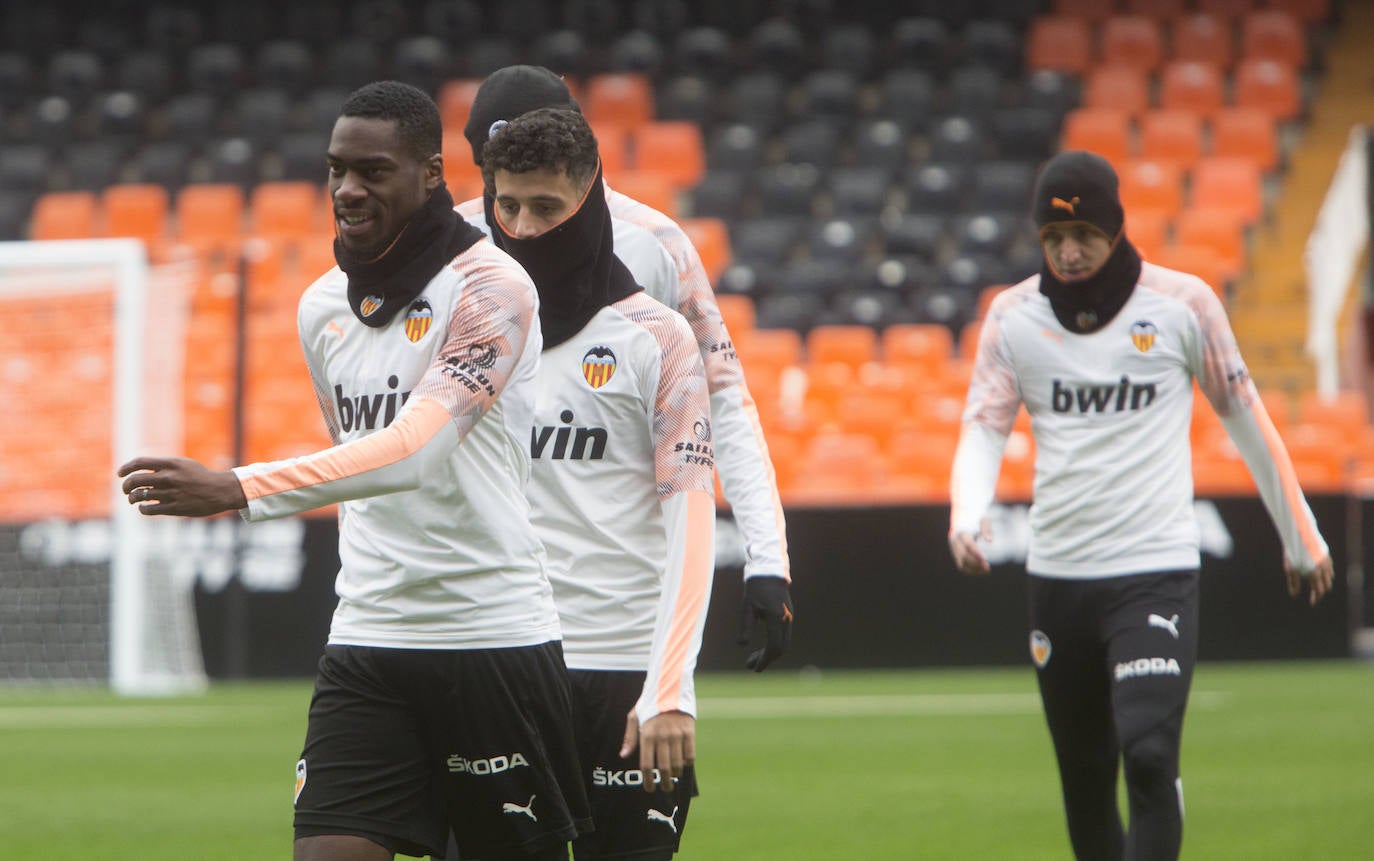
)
(380, 287)
(1088, 305)
(573, 265)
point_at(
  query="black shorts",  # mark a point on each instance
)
(629, 821)
(405, 744)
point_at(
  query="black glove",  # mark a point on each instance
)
(766, 599)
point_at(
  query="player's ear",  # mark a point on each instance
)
(434, 171)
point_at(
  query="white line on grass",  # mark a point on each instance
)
(893, 705)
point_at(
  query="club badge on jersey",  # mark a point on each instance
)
(1143, 334)
(418, 319)
(598, 366)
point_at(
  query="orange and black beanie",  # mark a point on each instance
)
(1079, 186)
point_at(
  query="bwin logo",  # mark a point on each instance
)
(361, 412)
(652, 815)
(1125, 395)
(523, 809)
(581, 439)
(1147, 667)
(1171, 624)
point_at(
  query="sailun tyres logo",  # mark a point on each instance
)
(1121, 396)
(371, 410)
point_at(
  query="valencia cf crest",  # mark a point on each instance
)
(1143, 335)
(598, 366)
(369, 305)
(418, 319)
(300, 780)
(1040, 648)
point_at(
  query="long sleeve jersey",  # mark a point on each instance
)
(430, 416)
(622, 495)
(663, 261)
(1110, 412)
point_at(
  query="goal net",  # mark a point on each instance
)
(91, 368)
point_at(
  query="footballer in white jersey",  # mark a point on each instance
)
(622, 483)
(663, 261)
(1103, 351)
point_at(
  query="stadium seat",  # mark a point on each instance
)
(796, 310)
(1026, 133)
(1117, 87)
(1157, 10)
(135, 210)
(831, 94)
(1269, 86)
(1219, 230)
(860, 190)
(1085, 10)
(64, 215)
(1306, 11)
(1171, 136)
(737, 313)
(1203, 38)
(685, 97)
(1191, 85)
(164, 163)
(907, 97)
(767, 352)
(1347, 413)
(1247, 133)
(618, 97)
(638, 52)
(1131, 40)
(976, 91)
(1050, 90)
(757, 99)
(1060, 43)
(1105, 131)
(1002, 186)
(1272, 34)
(993, 43)
(287, 209)
(216, 68)
(612, 143)
(1199, 260)
(284, 64)
(851, 345)
(711, 238)
(1148, 230)
(810, 141)
(1150, 184)
(881, 143)
(842, 238)
(928, 346)
(647, 187)
(93, 165)
(957, 138)
(564, 50)
(671, 149)
(920, 43)
(75, 75)
(1228, 184)
(209, 211)
(704, 51)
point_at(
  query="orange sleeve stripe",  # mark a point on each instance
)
(698, 561)
(751, 411)
(1288, 478)
(407, 435)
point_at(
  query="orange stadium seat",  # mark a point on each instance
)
(1131, 40)
(1171, 136)
(136, 210)
(1219, 230)
(927, 346)
(1060, 43)
(1199, 260)
(64, 215)
(852, 345)
(1147, 184)
(1228, 9)
(672, 148)
(1272, 34)
(1347, 413)
(1203, 38)
(463, 177)
(1191, 85)
(618, 97)
(1306, 11)
(1246, 133)
(711, 238)
(648, 188)
(1094, 11)
(1106, 132)
(209, 211)
(287, 209)
(1117, 87)
(1148, 230)
(1229, 184)
(737, 312)
(1157, 10)
(768, 351)
(613, 145)
(455, 103)
(837, 468)
(1269, 86)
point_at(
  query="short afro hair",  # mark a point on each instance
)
(414, 112)
(556, 139)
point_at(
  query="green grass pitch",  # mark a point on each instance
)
(936, 764)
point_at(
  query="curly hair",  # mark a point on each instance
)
(414, 112)
(555, 139)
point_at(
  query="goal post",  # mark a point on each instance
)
(89, 592)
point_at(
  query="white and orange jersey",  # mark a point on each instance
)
(1110, 412)
(430, 416)
(622, 495)
(663, 261)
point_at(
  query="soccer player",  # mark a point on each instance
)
(622, 488)
(663, 261)
(442, 701)
(1103, 350)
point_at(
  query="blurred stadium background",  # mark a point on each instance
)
(855, 176)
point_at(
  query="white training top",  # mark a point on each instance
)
(664, 262)
(430, 415)
(1110, 412)
(623, 496)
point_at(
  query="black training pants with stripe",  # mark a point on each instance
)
(1114, 658)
